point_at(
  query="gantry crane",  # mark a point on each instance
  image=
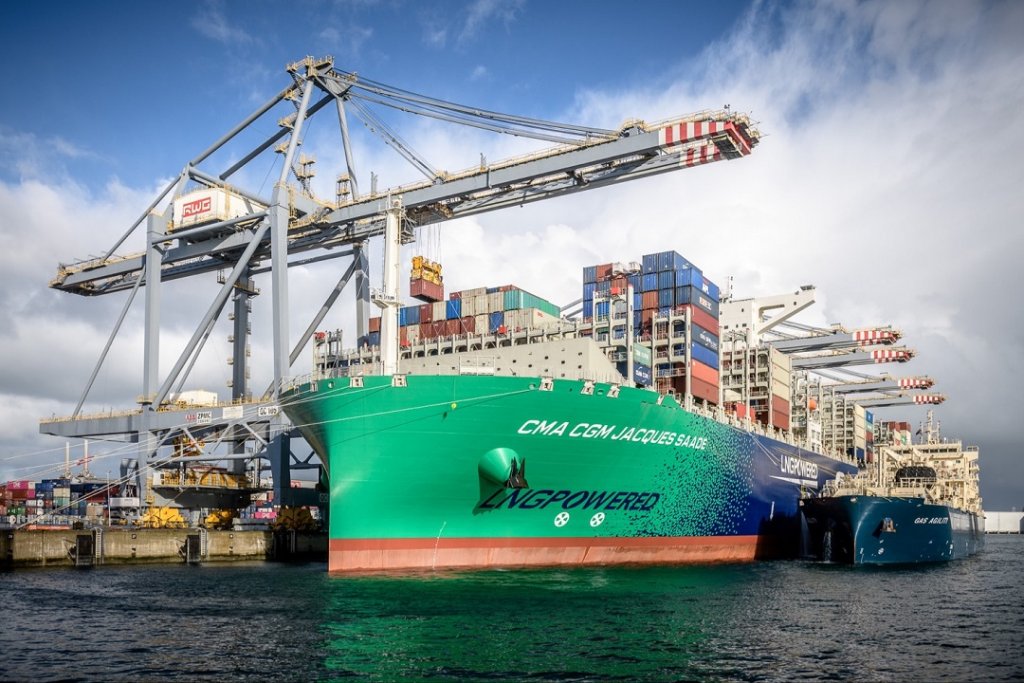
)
(267, 231)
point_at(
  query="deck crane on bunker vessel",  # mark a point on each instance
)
(211, 225)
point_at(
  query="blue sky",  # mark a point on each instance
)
(888, 176)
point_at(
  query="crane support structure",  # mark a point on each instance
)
(209, 224)
(901, 399)
(896, 355)
(837, 340)
(884, 384)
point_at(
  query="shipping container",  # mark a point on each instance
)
(453, 309)
(375, 324)
(703, 372)
(688, 277)
(426, 313)
(649, 282)
(589, 274)
(670, 260)
(439, 311)
(699, 316)
(703, 390)
(704, 355)
(692, 295)
(666, 298)
(588, 309)
(496, 321)
(635, 283)
(468, 306)
(495, 301)
(425, 290)
(604, 271)
(649, 263)
(412, 315)
(704, 337)
(588, 289)
(666, 280)
(209, 206)
(780, 420)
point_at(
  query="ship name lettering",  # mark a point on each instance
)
(529, 499)
(587, 430)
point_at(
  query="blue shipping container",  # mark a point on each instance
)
(496, 320)
(666, 280)
(642, 374)
(705, 356)
(650, 263)
(638, 300)
(670, 260)
(589, 274)
(588, 290)
(710, 288)
(453, 309)
(604, 287)
(634, 281)
(692, 295)
(373, 339)
(666, 298)
(705, 338)
(409, 315)
(689, 277)
(588, 308)
(649, 282)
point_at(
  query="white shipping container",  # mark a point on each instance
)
(439, 310)
(468, 306)
(495, 302)
(482, 323)
(210, 206)
(480, 303)
(473, 293)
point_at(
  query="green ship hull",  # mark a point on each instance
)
(431, 471)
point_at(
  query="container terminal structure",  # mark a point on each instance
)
(202, 222)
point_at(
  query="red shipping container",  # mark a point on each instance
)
(604, 272)
(403, 335)
(19, 484)
(704, 373)
(452, 327)
(439, 328)
(426, 313)
(426, 331)
(699, 316)
(650, 301)
(704, 390)
(780, 420)
(455, 295)
(780, 405)
(425, 290)
(468, 324)
(647, 319)
(620, 282)
(375, 324)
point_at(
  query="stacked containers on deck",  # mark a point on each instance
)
(860, 442)
(781, 393)
(667, 286)
(869, 419)
(484, 310)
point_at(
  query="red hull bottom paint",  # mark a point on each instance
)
(450, 553)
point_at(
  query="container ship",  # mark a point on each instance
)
(510, 436)
(917, 503)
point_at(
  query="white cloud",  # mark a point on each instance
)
(481, 13)
(213, 23)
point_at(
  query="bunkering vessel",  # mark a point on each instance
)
(918, 503)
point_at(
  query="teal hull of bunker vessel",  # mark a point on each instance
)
(431, 471)
(884, 530)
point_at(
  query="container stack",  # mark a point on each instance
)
(425, 280)
(483, 310)
(674, 306)
(893, 433)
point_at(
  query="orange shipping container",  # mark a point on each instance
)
(701, 317)
(705, 373)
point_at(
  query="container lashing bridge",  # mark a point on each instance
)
(210, 225)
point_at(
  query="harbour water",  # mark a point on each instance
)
(771, 621)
